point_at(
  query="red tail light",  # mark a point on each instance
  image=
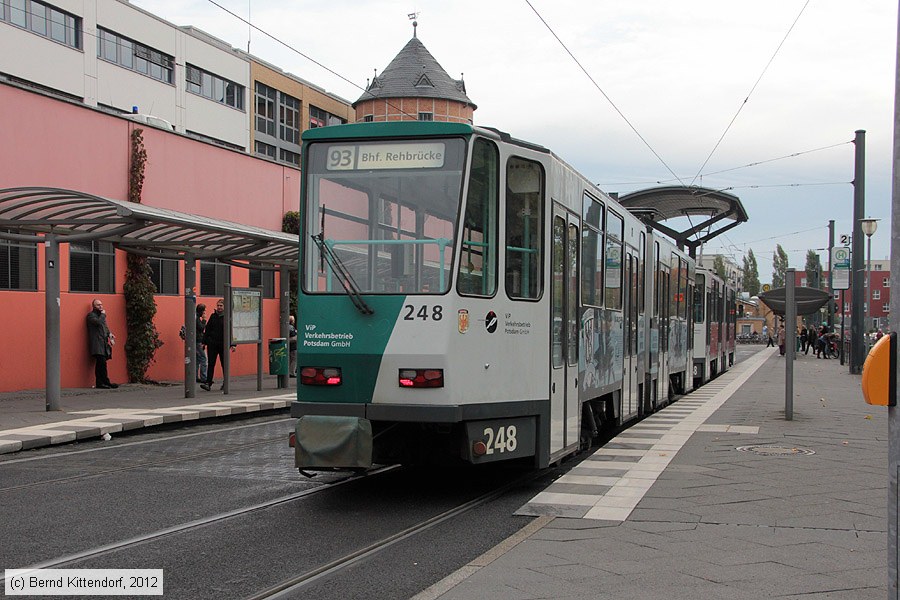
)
(422, 378)
(320, 376)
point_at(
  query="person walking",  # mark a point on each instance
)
(811, 340)
(214, 338)
(201, 347)
(100, 343)
(292, 346)
(770, 343)
(781, 338)
(804, 339)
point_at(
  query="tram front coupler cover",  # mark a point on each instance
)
(333, 442)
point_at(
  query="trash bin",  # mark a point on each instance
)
(278, 356)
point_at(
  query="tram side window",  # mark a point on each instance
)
(592, 252)
(524, 227)
(699, 313)
(683, 288)
(478, 260)
(613, 279)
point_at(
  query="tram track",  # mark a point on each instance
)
(285, 588)
(147, 464)
(68, 560)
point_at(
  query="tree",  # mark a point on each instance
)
(719, 267)
(779, 266)
(140, 302)
(813, 270)
(751, 274)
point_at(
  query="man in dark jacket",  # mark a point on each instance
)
(214, 338)
(100, 342)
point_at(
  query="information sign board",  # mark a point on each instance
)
(246, 316)
(840, 268)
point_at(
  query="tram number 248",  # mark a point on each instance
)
(502, 440)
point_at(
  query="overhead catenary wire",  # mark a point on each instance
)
(307, 57)
(605, 95)
(750, 93)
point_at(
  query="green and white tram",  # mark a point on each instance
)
(470, 297)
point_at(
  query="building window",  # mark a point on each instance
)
(886, 307)
(92, 267)
(368, 118)
(213, 277)
(215, 88)
(289, 157)
(165, 275)
(289, 119)
(265, 109)
(321, 118)
(426, 116)
(277, 133)
(876, 294)
(135, 56)
(266, 279)
(18, 265)
(886, 282)
(44, 20)
(263, 149)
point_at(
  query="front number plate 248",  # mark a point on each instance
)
(503, 438)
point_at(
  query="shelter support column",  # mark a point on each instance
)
(284, 285)
(190, 327)
(51, 320)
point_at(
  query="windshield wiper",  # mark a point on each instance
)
(343, 275)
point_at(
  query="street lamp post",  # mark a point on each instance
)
(868, 227)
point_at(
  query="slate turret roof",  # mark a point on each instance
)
(414, 73)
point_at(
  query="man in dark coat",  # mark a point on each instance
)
(100, 342)
(214, 338)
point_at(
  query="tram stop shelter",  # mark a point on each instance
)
(51, 216)
(704, 209)
(807, 300)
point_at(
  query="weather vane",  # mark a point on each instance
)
(412, 17)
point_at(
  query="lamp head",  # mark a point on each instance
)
(869, 226)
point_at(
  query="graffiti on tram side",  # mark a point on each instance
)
(600, 357)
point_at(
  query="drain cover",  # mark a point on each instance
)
(776, 450)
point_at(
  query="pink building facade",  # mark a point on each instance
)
(54, 143)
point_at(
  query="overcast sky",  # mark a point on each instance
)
(678, 71)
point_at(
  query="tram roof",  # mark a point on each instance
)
(670, 202)
(76, 216)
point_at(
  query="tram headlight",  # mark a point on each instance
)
(421, 378)
(320, 376)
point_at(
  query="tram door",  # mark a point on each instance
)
(564, 326)
(630, 389)
(662, 297)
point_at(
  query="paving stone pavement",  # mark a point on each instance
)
(722, 523)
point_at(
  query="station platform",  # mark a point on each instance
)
(91, 413)
(716, 496)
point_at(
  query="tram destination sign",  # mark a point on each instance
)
(418, 155)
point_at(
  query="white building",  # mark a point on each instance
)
(115, 56)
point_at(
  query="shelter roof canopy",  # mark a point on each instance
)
(76, 216)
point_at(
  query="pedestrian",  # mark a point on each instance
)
(214, 338)
(781, 338)
(100, 344)
(768, 336)
(804, 339)
(822, 343)
(201, 347)
(811, 340)
(292, 345)
(878, 335)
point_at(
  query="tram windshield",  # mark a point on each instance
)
(387, 209)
